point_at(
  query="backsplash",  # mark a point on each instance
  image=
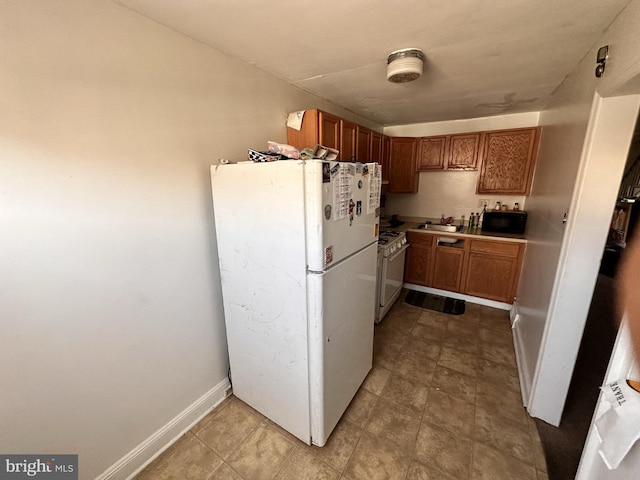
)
(451, 194)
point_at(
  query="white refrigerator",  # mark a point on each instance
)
(297, 249)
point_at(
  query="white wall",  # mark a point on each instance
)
(560, 267)
(452, 193)
(110, 305)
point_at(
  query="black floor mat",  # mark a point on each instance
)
(435, 302)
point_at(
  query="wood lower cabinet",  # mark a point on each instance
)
(447, 267)
(493, 269)
(478, 267)
(403, 177)
(418, 260)
(508, 161)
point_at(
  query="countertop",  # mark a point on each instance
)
(466, 232)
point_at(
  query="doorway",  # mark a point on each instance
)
(564, 444)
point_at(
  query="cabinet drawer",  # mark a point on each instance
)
(499, 248)
(421, 238)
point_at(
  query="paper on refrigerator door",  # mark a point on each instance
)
(375, 185)
(343, 181)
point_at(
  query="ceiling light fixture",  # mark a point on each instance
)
(404, 65)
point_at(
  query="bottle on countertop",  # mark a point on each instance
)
(472, 220)
(442, 219)
(462, 221)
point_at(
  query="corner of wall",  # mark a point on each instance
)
(141, 456)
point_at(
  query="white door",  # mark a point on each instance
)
(342, 210)
(622, 366)
(341, 314)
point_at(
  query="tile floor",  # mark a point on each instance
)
(441, 402)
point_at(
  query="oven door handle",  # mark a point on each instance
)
(398, 253)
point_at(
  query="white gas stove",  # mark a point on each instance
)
(391, 253)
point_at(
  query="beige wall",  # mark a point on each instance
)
(112, 321)
(448, 192)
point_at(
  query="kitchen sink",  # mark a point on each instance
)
(440, 228)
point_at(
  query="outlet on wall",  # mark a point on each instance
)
(483, 202)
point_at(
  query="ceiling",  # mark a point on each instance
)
(483, 58)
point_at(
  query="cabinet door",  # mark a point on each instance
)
(363, 144)
(490, 276)
(508, 160)
(431, 153)
(493, 270)
(376, 147)
(329, 126)
(447, 268)
(417, 263)
(347, 141)
(386, 151)
(462, 153)
(403, 177)
(308, 135)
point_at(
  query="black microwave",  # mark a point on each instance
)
(500, 221)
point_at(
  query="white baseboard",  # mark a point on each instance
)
(138, 458)
(459, 296)
(521, 359)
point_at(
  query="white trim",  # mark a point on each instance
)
(142, 455)
(521, 358)
(521, 363)
(459, 296)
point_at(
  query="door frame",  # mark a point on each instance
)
(604, 155)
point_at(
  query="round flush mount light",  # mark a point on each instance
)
(404, 65)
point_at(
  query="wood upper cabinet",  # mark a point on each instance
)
(462, 151)
(386, 151)
(329, 130)
(418, 260)
(431, 153)
(363, 144)
(449, 152)
(403, 177)
(326, 129)
(508, 161)
(493, 269)
(377, 147)
(318, 127)
(348, 138)
(447, 267)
